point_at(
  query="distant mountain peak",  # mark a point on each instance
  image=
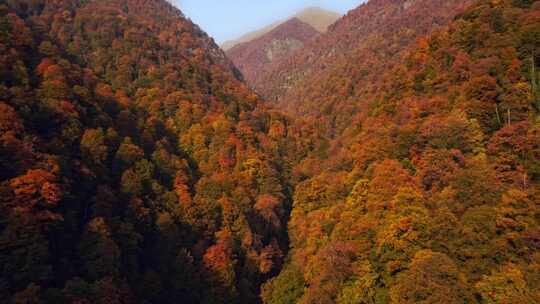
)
(315, 10)
(319, 18)
(293, 23)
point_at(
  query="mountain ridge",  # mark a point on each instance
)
(254, 57)
(396, 159)
(318, 18)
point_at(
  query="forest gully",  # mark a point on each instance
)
(393, 157)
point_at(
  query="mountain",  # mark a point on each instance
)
(396, 160)
(422, 185)
(134, 166)
(318, 18)
(371, 36)
(253, 58)
(227, 45)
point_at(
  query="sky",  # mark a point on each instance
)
(229, 19)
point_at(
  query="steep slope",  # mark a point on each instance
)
(336, 68)
(254, 58)
(318, 18)
(134, 166)
(431, 193)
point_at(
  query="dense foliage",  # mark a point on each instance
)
(137, 167)
(326, 79)
(429, 193)
(134, 166)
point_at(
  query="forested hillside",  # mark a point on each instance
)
(330, 75)
(395, 159)
(135, 167)
(429, 193)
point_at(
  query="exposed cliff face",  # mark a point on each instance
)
(254, 58)
(280, 48)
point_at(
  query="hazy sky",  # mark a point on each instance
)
(229, 19)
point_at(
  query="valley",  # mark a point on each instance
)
(390, 155)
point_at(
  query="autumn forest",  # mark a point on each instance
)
(394, 158)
